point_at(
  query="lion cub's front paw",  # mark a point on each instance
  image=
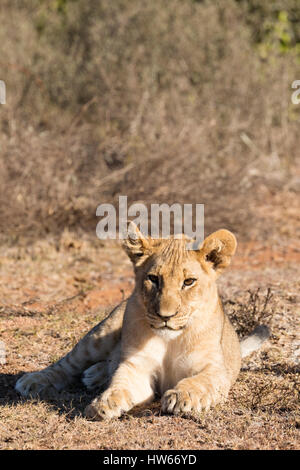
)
(178, 401)
(111, 404)
(33, 383)
(95, 376)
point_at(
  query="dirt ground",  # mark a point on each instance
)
(55, 289)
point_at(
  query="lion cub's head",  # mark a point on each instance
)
(173, 282)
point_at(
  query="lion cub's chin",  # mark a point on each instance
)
(167, 333)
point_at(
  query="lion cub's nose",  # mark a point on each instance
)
(167, 307)
(165, 314)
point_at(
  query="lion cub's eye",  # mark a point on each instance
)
(189, 282)
(154, 279)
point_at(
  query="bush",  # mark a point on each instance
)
(185, 94)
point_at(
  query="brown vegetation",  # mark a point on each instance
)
(162, 103)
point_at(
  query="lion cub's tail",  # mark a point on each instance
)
(254, 341)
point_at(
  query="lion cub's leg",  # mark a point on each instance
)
(96, 376)
(131, 385)
(94, 347)
(100, 374)
(197, 393)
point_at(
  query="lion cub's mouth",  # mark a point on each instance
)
(160, 323)
(167, 332)
(165, 326)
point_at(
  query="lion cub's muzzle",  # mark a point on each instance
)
(166, 316)
(167, 320)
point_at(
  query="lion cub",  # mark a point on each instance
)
(171, 337)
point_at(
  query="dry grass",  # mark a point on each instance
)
(246, 315)
(137, 100)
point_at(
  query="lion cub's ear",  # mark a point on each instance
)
(218, 248)
(136, 245)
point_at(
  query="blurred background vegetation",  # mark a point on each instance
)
(179, 101)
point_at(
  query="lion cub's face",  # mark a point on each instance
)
(173, 282)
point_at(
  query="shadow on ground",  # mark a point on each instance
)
(70, 402)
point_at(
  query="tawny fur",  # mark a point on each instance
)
(168, 338)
